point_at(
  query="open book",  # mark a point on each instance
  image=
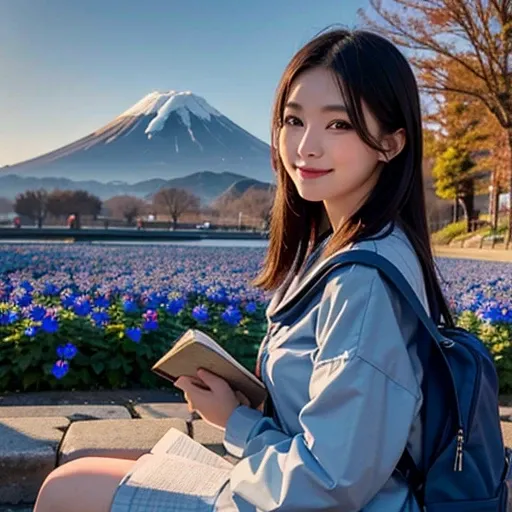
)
(194, 350)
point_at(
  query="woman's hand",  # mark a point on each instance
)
(211, 396)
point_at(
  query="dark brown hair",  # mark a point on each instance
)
(368, 68)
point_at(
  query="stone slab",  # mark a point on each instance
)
(121, 439)
(71, 412)
(28, 454)
(506, 413)
(165, 410)
(95, 397)
(506, 428)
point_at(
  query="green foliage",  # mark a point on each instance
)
(452, 168)
(498, 339)
(445, 235)
(107, 358)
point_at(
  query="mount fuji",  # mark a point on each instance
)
(166, 135)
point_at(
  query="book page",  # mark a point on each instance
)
(175, 442)
(204, 339)
(190, 483)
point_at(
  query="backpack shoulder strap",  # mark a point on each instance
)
(396, 279)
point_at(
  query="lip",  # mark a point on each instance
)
(311, 173)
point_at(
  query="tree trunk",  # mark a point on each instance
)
(456, 209)
(509, 230)
(466, 212)
(493, 201)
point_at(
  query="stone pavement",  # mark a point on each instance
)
(485, 254)
(40, 431)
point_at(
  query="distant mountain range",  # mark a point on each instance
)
(164, 137)
(208, 186)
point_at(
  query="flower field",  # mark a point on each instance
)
(98, 316)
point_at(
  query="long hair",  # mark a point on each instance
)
(367, 68)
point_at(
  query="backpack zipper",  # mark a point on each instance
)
(459, 454)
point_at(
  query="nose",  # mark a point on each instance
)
(310, 145)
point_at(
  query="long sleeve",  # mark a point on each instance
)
(363, 398)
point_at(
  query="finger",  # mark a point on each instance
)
(214, 382)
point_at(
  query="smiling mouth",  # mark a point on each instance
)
(307, 173)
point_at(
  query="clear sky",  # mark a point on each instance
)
(67, 67)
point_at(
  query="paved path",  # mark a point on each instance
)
(473, 254)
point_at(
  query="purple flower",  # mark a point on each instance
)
(200, 313)
(60, 368)
(134, 333)
(67, 351)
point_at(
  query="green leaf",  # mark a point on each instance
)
(98, 367)
(30, 377)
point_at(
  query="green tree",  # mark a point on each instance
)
(453, 179)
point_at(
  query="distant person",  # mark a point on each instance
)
(140, 224)
(17, 222)
(72, 221)
(342, 373)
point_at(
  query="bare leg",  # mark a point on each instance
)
(82, 485)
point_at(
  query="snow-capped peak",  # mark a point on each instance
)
(163, 103)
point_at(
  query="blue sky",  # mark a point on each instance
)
(68, 67)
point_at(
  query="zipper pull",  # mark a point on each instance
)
(457, 466)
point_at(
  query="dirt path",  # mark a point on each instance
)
(473, 254)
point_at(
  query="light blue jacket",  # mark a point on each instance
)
(345, 381)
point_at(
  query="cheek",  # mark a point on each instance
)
(349, 150)
(287, 149)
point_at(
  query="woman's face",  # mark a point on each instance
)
(318, 135)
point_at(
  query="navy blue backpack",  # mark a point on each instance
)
(465, 467)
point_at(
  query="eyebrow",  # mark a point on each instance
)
(326, 108)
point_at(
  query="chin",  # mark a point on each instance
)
(314, 196)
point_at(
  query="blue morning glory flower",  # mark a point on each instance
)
(250, 307)
(101, 302)
(67, 351)
(60, 369)
(50, 324)
(37, 313)
(174, 306)
(134, 333)
(200, 313)
(100, 318)
(232, 315)
(31, 331)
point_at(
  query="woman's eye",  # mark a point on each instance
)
(341, 125)
(292, 120)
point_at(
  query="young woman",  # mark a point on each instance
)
(343, 372)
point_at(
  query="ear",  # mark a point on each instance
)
(394, 144)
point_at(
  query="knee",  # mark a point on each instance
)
(58, 487)
(68, 487)
(54, 488)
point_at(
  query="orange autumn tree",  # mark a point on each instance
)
(460, 140)
(475, 35)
